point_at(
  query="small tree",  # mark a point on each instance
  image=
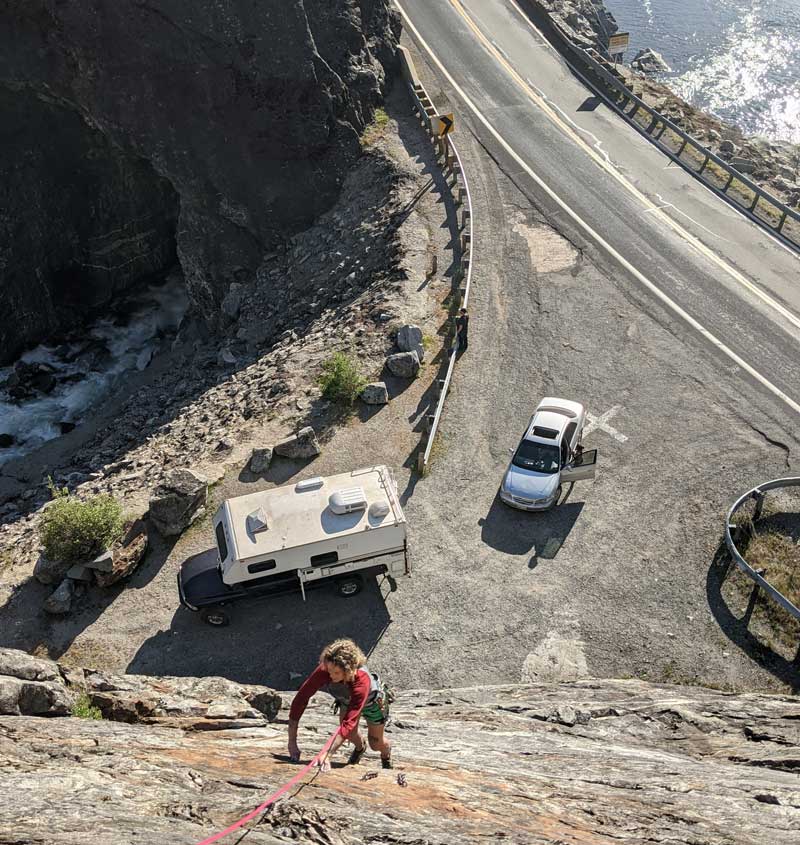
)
(340, 379)
(72, 530)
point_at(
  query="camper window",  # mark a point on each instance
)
(261, 567)
(221, 543)
(323, 559)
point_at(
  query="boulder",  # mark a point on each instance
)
(260, 459)
(193, 703)
(304, 444)
(375, 394)
(649, 61)
(743, 165)
(409, 339)
(60, 600)
(103, 562)
(178, 501)
(125, 558)
(79, 572)
(33, 698)
(233, 300)
(403, 364)
(47, 571)
(20, 664)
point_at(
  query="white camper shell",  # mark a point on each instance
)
(319, 528)
(342, 528)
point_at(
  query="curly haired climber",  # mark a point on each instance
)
(342, 673)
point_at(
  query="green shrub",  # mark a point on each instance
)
(72, 531)
(84, 709)
(377, 129)
(340, 380)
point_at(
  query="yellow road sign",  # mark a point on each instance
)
(618, 43)
(442, 124)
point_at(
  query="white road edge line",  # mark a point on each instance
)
(673, 306)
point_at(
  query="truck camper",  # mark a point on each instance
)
(341, 529)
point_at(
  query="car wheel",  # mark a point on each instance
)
(348, 587)
(559, 491)
(216, 617)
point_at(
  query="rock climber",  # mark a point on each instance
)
(342, 672)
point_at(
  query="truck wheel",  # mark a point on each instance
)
(347, 587)
(216, 617)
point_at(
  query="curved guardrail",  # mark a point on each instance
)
(423, 105)
(732, 529)
(714, 172)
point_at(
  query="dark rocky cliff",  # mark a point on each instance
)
(230, 123)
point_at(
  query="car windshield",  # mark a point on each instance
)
(538, 457)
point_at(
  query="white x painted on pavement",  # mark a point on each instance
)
(601, 423)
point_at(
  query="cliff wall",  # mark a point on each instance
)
(591, 762)
(231, 123)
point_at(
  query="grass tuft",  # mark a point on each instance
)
(341, 380)
(84, 709)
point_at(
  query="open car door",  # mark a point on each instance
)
(581, 468)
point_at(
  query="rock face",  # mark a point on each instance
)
(31, 686)
(591, 762)
(69, 245)
(134, 131)
(178, 501)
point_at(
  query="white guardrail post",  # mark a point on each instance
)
(452, 165)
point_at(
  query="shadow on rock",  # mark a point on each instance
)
(518, 532)
(737, 628)
(271, 640)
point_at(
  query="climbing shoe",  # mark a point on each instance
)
(386, 763)
(356, 754)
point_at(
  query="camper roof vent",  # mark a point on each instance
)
(309, 484)
(347, 501)
(378, 511)
(257, 521)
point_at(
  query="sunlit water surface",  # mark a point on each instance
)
(739, 60)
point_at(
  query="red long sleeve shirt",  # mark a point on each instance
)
(359, 689)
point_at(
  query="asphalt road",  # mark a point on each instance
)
(692, 246)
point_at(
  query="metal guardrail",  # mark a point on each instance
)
(714, 172)
(732, 529)
(423, 105)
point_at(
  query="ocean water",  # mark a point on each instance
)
(89, 365)
(736, 59)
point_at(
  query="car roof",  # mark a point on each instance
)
(554, 414)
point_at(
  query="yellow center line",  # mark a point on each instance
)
(650, 206)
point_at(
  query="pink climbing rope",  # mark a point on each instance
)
(272, 798)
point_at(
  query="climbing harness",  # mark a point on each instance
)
(272, 798)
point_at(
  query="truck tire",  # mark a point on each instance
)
(349, 586)
(216, 617)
